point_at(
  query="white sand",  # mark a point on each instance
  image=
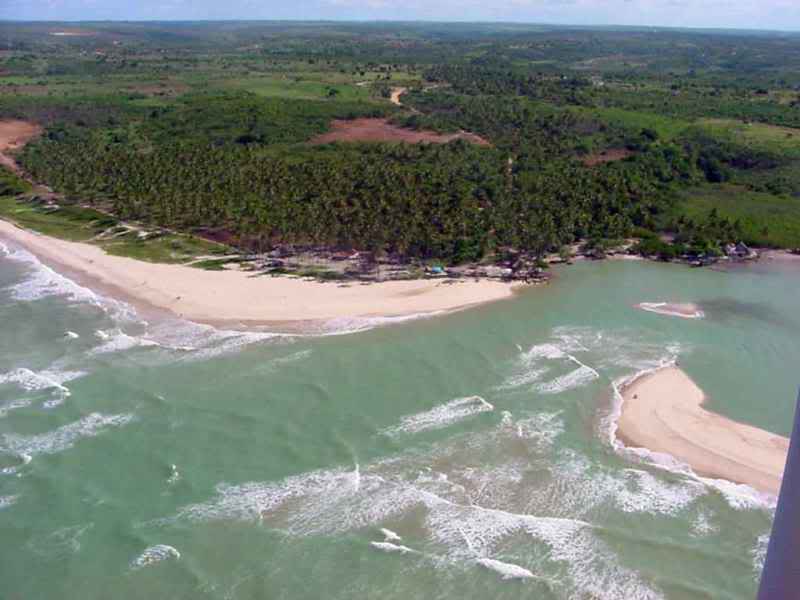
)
(663, 412)
(242, 297)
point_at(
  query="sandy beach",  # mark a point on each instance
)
(663, 412)
(237, 297)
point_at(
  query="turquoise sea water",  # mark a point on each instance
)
(171, 460)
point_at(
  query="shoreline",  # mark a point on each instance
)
(239, 299)
(663, 412)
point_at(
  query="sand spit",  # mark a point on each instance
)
(236, 297)
(663, 412)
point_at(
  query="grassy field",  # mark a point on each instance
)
(666, 127)
(169, 248)
(767, 220)
(67, 223)
(785, 140)
(295, 88)
(79, 224)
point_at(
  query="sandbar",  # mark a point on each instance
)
(663, 412)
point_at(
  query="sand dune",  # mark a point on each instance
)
(663, 412)
(233, 297)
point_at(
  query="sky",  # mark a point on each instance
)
(744, 14)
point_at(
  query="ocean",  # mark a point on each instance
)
(468, 455)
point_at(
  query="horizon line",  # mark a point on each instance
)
(416, 21)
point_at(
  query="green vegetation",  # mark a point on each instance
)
(70, 223)
(595, 134)
(167, 248)
(763, 219)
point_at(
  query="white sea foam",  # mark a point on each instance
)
(390, 536)
(347, 325)
(174, 474)
(14, 405)
(506, 570)
(30, 380)
(116, 340)
(50, 379)
(574, 379)
(197, 341)
(441, 416)
(759, 554)
(60, 543)
(542, 428)
(338, 501)
(540, 359)
(6, 501)
(42, 281)
(291, 358)
(579, 488)
(155, 554)
(739, 496)
(664, 308)
(71, 335)
(64, 437)
(389, 547)
(702, 525)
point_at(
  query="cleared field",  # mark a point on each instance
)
(380, 130)
(666, 127)
(766, 220)
(782, 139)
(13, 135)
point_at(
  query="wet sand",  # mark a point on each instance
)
(238, 297)
(663, 412)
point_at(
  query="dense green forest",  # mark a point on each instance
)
(593, 134)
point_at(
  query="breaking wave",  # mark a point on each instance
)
(42, 282)
(471, 501)
(683, 311)
(6, 501)
(153, 555)
(390, 547)
(759, 554)
(506, 570)
(63, 438)
(51, 380)
(441, 416)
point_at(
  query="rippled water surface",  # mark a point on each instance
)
(465, 456)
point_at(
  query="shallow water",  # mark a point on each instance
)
(170, 460)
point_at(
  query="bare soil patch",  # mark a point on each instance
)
(14, 134)
(610, 155)
(381, 130)
(396, 93)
